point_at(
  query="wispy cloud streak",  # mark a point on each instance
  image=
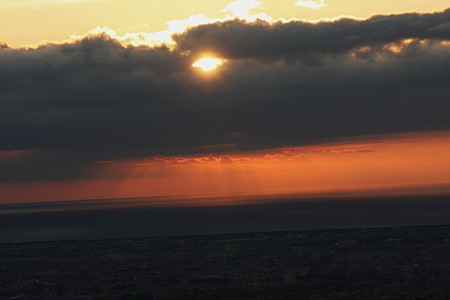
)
(317, 4)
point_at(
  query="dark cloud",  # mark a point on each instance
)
(283, 84)
(237, 39)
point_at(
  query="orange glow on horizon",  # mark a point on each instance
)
(407, 163)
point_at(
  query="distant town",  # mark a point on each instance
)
(374, 263)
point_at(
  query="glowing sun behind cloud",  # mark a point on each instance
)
(208, 64)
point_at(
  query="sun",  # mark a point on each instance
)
(208, 64)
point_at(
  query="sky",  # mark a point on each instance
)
(104, 99)
(29, 22)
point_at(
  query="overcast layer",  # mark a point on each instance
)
(283, 84)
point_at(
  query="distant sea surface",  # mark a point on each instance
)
(149, 217)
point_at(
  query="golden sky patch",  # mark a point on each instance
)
(30, 22)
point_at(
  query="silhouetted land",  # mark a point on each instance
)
(375, 263)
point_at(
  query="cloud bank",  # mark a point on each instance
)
(284, 83)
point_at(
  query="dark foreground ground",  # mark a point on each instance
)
(378, 263)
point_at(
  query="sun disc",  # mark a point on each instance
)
(208, 64)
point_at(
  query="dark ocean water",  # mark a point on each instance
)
(129, 218)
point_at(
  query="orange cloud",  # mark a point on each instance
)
(394, 163)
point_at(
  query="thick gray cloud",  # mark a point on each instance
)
(237, 39)
(283, 84)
